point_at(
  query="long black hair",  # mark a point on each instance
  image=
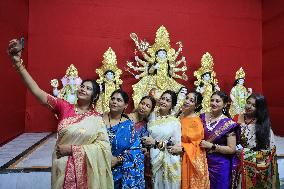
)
(263, 124)
(225, 99)
(237, 81)
(202, 83)
(96, 90)
(103, 84)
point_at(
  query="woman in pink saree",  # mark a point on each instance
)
(82, 155)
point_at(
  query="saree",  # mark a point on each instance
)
(258, 168)
(126, 143)
(222, 167)
(89, 166)
(166, 168)
(194, 163)
(141, 130)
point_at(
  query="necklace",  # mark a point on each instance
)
(248, 122)
(247, 135)
(110, 130)
(161, 117)
(76, 109)
(211, 125)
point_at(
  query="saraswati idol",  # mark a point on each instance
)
(159, 66)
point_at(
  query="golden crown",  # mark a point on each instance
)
(206, 66)
(162, 41)
(240, 74)
(71, 71)
(109, 63)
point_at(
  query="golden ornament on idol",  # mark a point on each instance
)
(156, 66)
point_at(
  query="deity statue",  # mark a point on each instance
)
(109, 80)
(159, 68)
(206, 83)
(239, 94)
(70, 84)
(181, 96)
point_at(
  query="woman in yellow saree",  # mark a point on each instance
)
(82, 157)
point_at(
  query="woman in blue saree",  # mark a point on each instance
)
(140, 118)
(221, 135)
(127, 157)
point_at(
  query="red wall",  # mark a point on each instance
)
(13, 23)
(273, 56)
(79, 32)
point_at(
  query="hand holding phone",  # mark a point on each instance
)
(16, 46)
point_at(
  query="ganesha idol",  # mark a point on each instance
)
(70, 84)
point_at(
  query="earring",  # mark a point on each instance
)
(224, 110)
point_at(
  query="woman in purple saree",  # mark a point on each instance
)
(221, 134)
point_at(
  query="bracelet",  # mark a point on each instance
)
(120, 159)
(161, 145)
(156, 144)
(19, 67)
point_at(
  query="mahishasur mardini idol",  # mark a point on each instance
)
(239, 94)
(109, 80)
(158, 66)
(206, 83)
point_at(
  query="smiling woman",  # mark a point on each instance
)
(220, 138)
(165, 131)
(258, 153)
(82, 155)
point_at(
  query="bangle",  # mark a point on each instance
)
(120, 159)
(19, 67)
(161, 145)
(156, 144)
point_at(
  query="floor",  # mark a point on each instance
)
(25, 161)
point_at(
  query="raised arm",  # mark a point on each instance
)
(26, 77)
(143, 63)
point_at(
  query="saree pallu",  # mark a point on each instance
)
(223, 169)
(141, 130)
(194, 163)
(125, 142)
(89, 164)
(258, 169)
(166, 168)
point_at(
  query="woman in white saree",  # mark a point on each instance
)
(165, 131)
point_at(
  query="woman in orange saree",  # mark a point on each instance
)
(82, 155)
(194, 163)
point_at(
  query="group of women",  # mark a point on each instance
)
(153, 148)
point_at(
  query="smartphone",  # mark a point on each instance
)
(22, 42)
(19, 48)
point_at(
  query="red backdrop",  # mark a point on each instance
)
(13, 23)
(273, 48)
(61, 33)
